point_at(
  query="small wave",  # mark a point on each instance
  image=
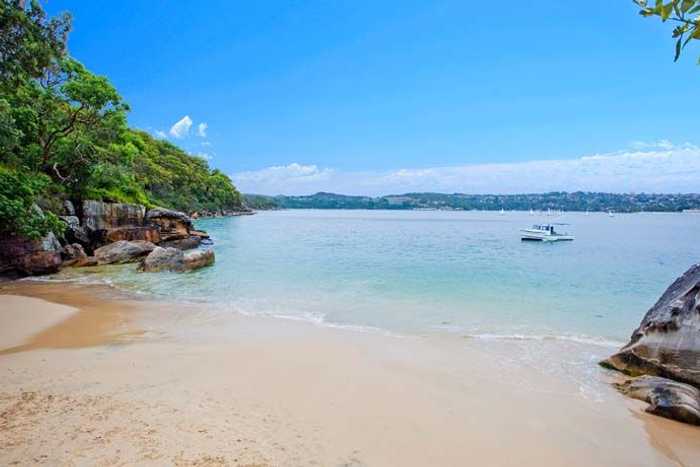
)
(84, 280)
(317, 319)
(600, 341)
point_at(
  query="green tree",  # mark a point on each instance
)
(18, 210)
(684, 13)
(29, 41)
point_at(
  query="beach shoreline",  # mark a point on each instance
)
(89, 374)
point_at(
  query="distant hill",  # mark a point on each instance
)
(576, 201)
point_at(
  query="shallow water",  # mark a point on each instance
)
(419, 272)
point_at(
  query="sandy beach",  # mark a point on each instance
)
(92, 377)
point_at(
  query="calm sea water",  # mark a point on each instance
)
(424, 272)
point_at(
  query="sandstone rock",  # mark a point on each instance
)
(198, 259)
(30, 257)
(74, 255)
(183, 243)
(199, 233)
(148, 233)
(667, 342)
(102, 216)
(173, 225)
(666, 398)
(123, 251)
(174, 259)
(163, 259)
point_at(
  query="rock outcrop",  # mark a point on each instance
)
(665, 351)
(123, 251)
(174, 259)
(75, 233)
(102, 216)
(110, 232)
(146, 233)
(666, 397)
(667, 342)
(74, 255)
(30, 257)
(172, 225)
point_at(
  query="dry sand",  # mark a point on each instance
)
(88, 377)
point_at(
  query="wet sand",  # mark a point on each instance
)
(90, 377)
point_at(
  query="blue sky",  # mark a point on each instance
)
(327, 94)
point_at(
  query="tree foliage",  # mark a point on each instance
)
(64, 133)
(684, 13)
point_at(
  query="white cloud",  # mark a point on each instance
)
(202, 130)
(160, 134)
(181, 128)
(658, 167)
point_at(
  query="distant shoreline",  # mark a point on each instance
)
(553, 201)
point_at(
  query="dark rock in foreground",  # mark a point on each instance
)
(74, 255)
(30, 257)
(667, 342)
(666, 397)
(123, 251)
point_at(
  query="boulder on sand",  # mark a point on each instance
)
(667, 342)
(123, 251)
(666, 397)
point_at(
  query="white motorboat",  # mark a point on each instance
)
(544, 233)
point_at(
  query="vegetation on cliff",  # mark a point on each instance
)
(64, 135)
(577, 201)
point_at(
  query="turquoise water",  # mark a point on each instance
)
(424, 272)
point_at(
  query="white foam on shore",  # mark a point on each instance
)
(320, 319)
(317, 319)
(599, 341)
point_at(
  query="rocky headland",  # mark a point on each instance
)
(663, 355)
(99, 233)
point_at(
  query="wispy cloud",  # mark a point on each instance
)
(160, 134)
(202, 130)
(652, 167)
(181, 128)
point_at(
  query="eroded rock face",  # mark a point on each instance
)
(123, 251)
(147, 233)
(667, 342)
(172, 225)
(174, 259)
(74, 255)
(183, 243)
(666, 397)
(68, 208)
(102, 216)
(30, 257)
(75, 233)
